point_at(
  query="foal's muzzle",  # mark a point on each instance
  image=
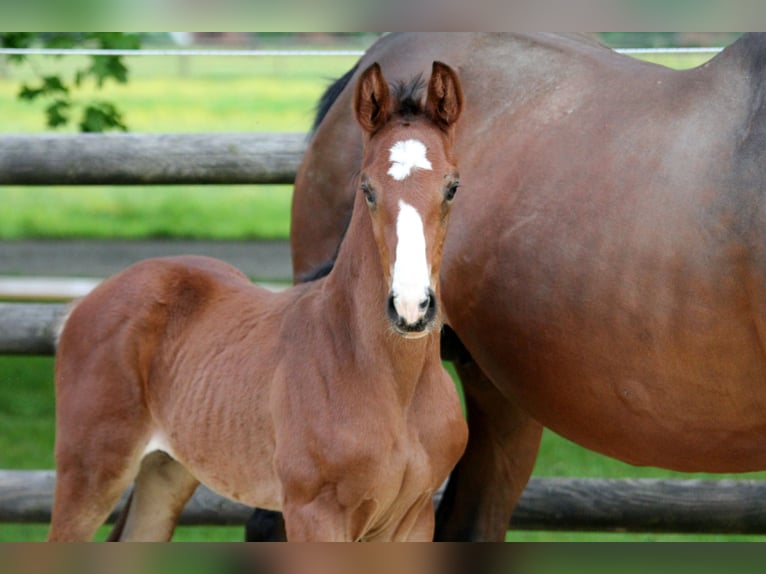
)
(419, 317)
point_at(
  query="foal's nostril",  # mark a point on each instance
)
(393, 314)
(425, 303)
(430, 307)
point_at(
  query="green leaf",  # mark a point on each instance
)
(16, 40)
(105, 67)
(50, 85)
(28, 93)
(57, 113)
(101, 117)
(53, 85)
(62, 40)
(117, 40)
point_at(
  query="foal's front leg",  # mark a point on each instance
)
(321, 519)
(423, 528)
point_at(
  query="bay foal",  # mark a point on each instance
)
(327, 401)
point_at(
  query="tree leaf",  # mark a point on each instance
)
(29, 93)
(56, 113)
(53, 85)
(57, 88)
(101, 117)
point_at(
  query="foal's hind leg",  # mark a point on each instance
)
(102, 427)
(162, 489)
(89, 481)
(502, 448)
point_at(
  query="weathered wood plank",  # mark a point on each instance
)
(643, 505)
(29, 328)
(585, 504)
(45, 288)
(144, 159)
(27, 497)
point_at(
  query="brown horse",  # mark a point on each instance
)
(327, 401)
(605, 271)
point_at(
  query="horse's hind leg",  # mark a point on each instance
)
(502, 448)
(162, 489)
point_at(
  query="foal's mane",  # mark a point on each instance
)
(407, 96)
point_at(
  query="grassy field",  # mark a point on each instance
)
(202, 95)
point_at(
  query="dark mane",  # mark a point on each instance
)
(408, 96)
(330, 95)
(749, 54)
(750, 50)
(323, 269)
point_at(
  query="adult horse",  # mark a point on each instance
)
(328, 400)
(605, 269)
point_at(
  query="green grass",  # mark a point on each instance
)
(205, 212)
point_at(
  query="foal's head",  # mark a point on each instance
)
(409, 178)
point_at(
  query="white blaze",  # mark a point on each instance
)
(406, 156)
(411, 277)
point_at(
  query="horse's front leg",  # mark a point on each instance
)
(488, 481)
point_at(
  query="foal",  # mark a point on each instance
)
(327, 401)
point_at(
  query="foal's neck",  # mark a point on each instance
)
(357, 291)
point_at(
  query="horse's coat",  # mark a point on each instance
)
(606, 266)
(322, 401)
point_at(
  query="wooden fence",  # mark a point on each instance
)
(641, 505)
(150, 159)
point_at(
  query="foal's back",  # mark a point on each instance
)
(146, 373)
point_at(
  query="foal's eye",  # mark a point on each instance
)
(369, 194)
(449, 194)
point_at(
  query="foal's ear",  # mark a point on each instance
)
(445, 96)
(372, 100)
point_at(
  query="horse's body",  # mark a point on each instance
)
(327, 401)
(606, 267)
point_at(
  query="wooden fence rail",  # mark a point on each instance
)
(150, 159)
(29, 328)
(582, 504)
